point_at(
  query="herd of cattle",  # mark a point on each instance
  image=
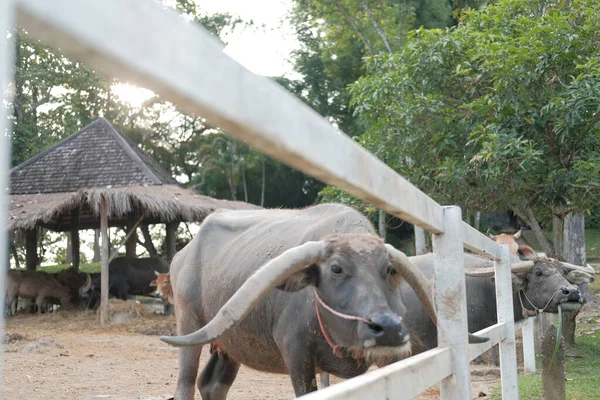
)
(70, 288)
(309, 291)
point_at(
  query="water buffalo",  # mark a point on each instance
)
(127, 277)
(540, 284)
(77, 282)
(338, 308)
(34, 285)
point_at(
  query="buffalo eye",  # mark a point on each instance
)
(391, 271)
(538, 273)
(336, 269)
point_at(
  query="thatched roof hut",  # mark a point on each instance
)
(96, 178)
(98, 162)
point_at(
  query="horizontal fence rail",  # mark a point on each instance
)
(140, 41)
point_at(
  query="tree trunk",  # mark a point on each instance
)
(264, 184)
(244, 183)
(96, 258)
(382, 225)
(31, 256)
(376, 26)
(574, 253)
(527, 215)
(420, 245)
(558, 226)
(477, 220)
(148, 242)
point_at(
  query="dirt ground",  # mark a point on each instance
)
(67, 355)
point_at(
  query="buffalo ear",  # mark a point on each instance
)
(518, 282)
(579, 277)
(153, 283)
(308, 276)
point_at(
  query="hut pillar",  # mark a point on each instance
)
(104, 260)
(170, 240)
(75, 238)
(131, 242)
(31, 258)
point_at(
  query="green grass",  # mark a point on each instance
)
(87, 268)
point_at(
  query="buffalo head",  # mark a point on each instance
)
(355, 281)
(545, 283)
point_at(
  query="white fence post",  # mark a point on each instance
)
(529, 345)
(450, 299)
(504, 305)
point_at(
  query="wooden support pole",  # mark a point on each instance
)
(31, 257)
(75, 238)
(131, 242)
(104, 259)
(529, 346)
(505, 311)
(451, 304)
(170, 239)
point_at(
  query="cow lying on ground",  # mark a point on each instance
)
(127, 277)
(338, 308)
(34, 285)
(539, 285)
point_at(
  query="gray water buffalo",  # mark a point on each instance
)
(337, 309)
(539, 284)
(34, 285)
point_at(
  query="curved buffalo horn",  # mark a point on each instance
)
(518, 234)
(87, 285)
(516, 268)
(268, 277)
(420, 285)
(588, 268)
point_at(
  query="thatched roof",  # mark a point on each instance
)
(159, 204)
(95, 156)
(98, 162)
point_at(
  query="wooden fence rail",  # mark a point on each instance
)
(139, 41)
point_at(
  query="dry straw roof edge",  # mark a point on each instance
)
(167, 203)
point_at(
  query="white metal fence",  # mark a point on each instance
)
(138, 40)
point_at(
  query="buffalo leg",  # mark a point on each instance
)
(189, 358)
(217, 377)
(302, 369)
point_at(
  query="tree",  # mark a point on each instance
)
(499, 112)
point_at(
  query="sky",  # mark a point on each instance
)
(263, 51)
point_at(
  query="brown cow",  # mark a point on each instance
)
(76, 282)
(163, 286)
(515, 249)
(34, 284)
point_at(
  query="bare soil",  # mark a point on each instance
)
(67, 355)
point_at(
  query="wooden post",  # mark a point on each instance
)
(505, 311)
(324, 377)
(450, 299)
(31, 257)
(75, 238)
(170, 237)
(104, 259)
(419, 241)
(529, 346)
(553, 371)
(131, 242)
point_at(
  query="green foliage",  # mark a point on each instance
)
(498, 112)
(87, 268)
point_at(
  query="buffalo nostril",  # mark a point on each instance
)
(566, 291)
